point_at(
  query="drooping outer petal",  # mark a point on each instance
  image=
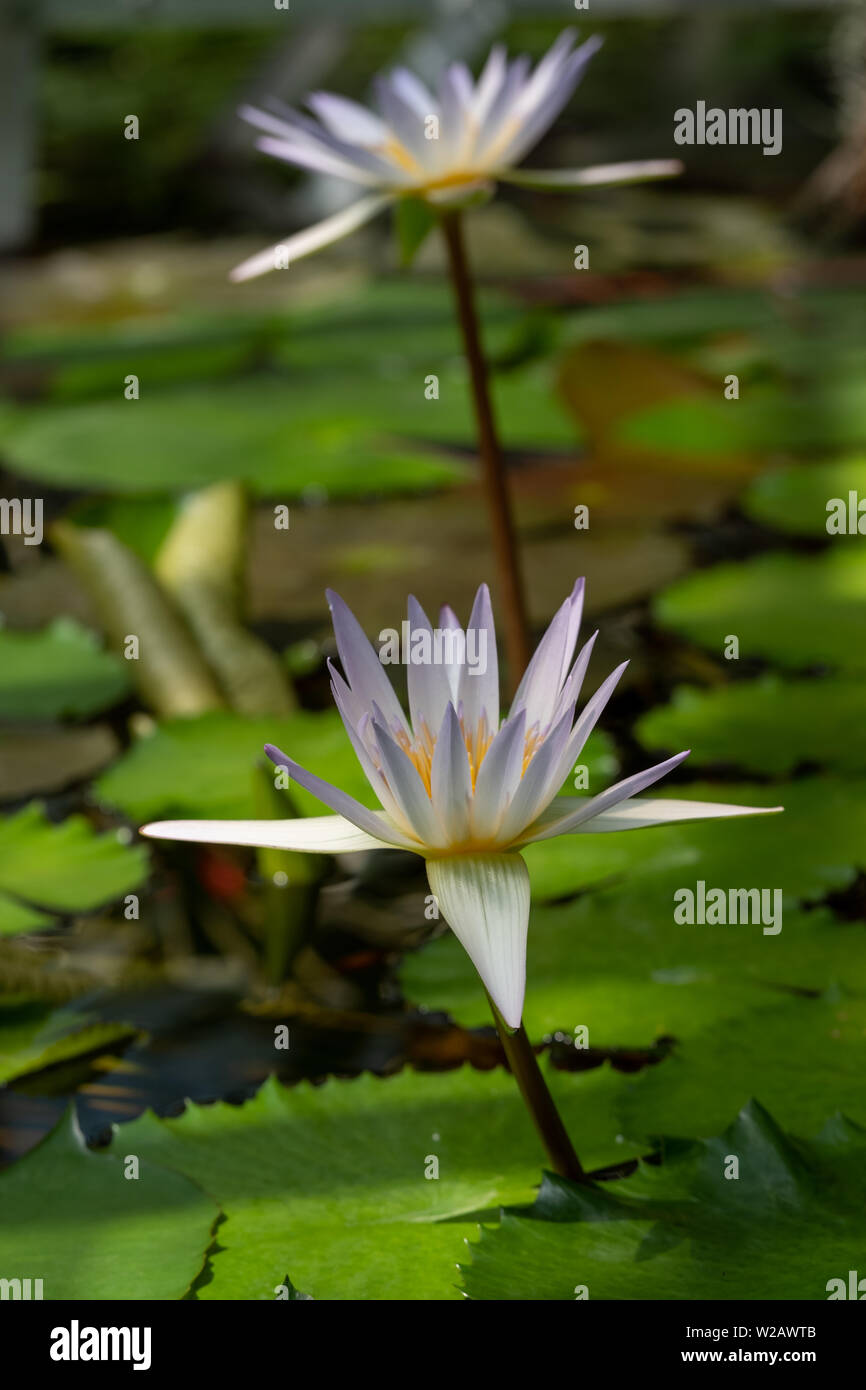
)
(637, 814)
(484, 898)
(303, 243)
(596, 176)
(311, 834)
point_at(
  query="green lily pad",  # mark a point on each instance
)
(73, 1219)
(59, 671)
(204, 767)
(768, 725)
(791, 1220)
(766, 420)
(328, 1183)
(265, 432)
(62, 868)
(616, 961)
(796, 610)
(804, 1056)
(30, 1038)
(796, 499)
(815, 847)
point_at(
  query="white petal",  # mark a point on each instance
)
(308, 154)
(639, 813)
(450, 779)
(428, 685)
(538, 785)
(346, 119)
(498, 777)
(312, 239)
(587, 809)
(633, 171)
(364, 671)
(478, 687)
(311, 834)
(484, 898)
(407, 788)
(372, 821)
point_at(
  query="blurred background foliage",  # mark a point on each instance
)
(135, 977)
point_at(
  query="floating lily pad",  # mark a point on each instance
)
(768, 725)
(796, 499)
(328, 1183)
(59, 671)
(75, 1220)
(204, 767)
(62, 868)
(29, 1038)
(763, 422)
(786, 1222)
(815, 846)
(279, 437)
(800, 611)
(804, 1057)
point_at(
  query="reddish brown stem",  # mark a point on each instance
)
(509, 578)
(524, 1067)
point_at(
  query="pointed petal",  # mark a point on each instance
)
(346, 119)
(364, 671)
(651, 811)
(427, 683)
(632, 171)
(407, 788)
(595, 805)
(498, 777)
(310, 834)
(450, 779)
(312, 239)
(373, 822)
(484, 898)
(478, 688)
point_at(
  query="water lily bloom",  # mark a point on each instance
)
(443, 147)
(458, 787)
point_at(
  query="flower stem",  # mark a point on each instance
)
(510, 582)
(524, 1067)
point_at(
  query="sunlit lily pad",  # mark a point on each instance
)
(797, 610)
(811, 500)
(205, 767)
(82, 1224)
(328, 1183)
(780, 1226)
(63, 868)
(59, 671)
(768, 725)
(804, 1057)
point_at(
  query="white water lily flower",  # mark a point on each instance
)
(457, 787)
(441, 146)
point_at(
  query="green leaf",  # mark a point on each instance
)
(204, 767)
(414, 219)
(760, 725)
(799, 611)
(328, 1183)
(791, 1220)
(616, 961)
(60, 671)
(33, 1037)
(62, 868)
(368, 432)
(796, 499)
(765, 421)
(802, 1057)
(74, 1220)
